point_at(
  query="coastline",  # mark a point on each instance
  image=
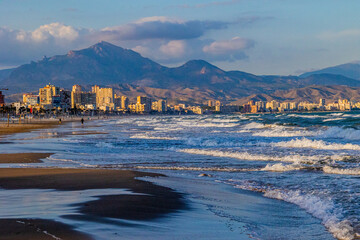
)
(147, 201)
(99, 210)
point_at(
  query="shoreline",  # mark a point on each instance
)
(23, 157)
(147, 201)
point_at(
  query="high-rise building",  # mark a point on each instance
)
(49, 95)
(2, 99)
(124, 102)
(65, 99)
(143, 104)
(81, 99)
(30, 99)
(322, 102)
(76, 88)
(159, 106)
(104, 97)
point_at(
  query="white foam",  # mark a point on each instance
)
(316, 144)
(342, 171)
(195, 168)
(253, 125)
(281, 131)
(104, 145)
(306, 116)
(337, 132)
(319, 208)
(146, 136)
(323, 209)
(279, 167)
(252, 157)
(333, 119)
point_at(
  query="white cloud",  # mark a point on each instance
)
(160, 38)
(56, 31)
(228, 46)
(174, 48)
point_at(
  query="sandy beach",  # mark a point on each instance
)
(23, 157)
(150, 202)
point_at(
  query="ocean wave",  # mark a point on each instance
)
(212, 142)
(279, 167)
(338, 132)
(316, 144)
(254, 157)
(104, 145)
(254, 125)
(333, 119)
(323, 209)
(284, 132)
(213, 169)
(305, 116)
(341, 171)
(319, 208)
(146, 136)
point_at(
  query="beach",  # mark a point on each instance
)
(150, 201)
(134, 177)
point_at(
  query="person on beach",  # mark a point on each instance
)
(82, 121)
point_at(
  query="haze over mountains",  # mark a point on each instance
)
(131, 74)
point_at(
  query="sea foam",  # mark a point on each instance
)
(252, 157)
(279, 167)
(316, 144)
(342, 171)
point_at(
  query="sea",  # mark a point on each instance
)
(256, 176)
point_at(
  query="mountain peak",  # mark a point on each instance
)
(200, 65)
(103, 44)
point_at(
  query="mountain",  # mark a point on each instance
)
(102, 63)
(5, 73)
(350, 70)
(308, 94)
(129, 73)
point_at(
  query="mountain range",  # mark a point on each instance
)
(131, 74)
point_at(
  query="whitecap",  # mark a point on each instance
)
(316, 144)
(279, 167)
(341, 171)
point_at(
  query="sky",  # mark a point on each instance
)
(277, 37)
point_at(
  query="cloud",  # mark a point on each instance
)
(164, 39)
(228, 46)
(174, 48)
(162, 28)
(56, 31)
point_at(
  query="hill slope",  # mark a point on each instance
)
(350, 70)
(109, 65)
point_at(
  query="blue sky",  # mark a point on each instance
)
(257, 36)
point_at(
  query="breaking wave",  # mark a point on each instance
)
(337, 132)
(279, 167)
(319, 208)
(323, 209)
(280, 131)
(252, 157)
(341, 171)
(214, 169)
(145, 136)
(316, 144)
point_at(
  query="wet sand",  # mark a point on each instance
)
(150, 202)
(36, 229)
(23, 157)
(25, 127)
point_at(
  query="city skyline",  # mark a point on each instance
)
(260, 37)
